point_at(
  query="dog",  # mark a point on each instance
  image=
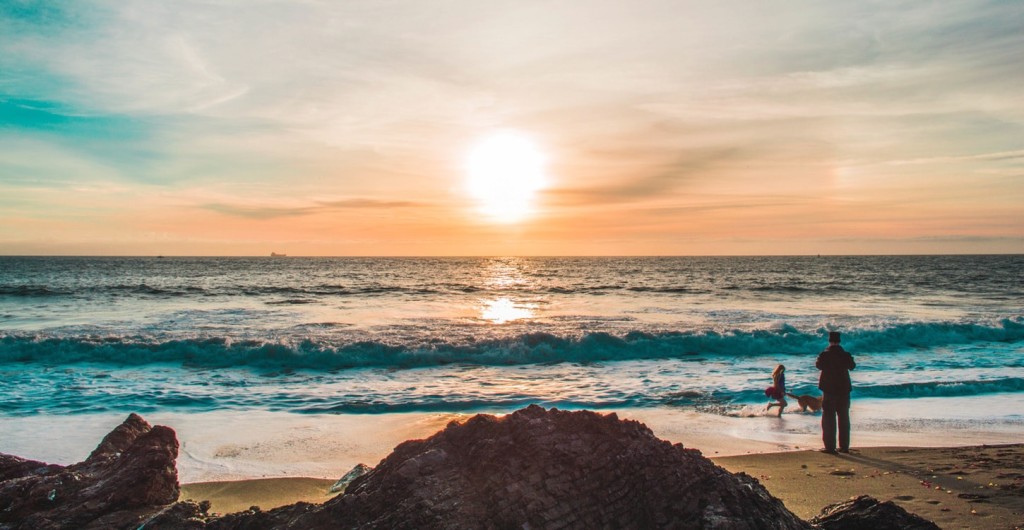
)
(807, 402)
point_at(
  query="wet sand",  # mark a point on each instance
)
(236, 495)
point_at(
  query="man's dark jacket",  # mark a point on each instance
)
(835, 364)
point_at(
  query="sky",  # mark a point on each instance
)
(668, 127)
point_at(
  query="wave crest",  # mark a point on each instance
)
(529, 348)
(942, 388)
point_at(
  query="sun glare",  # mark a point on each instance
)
(505, 170)
(505, 310)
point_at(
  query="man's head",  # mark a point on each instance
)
(833, 337)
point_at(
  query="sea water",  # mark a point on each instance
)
(940, 335)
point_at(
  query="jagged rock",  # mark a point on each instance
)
(130, 475)
(120, 439)
(532, 469)
(185, 515)
(12, 467)
(539, 469)
(867, 512)
(347, 478)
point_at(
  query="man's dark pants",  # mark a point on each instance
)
(835, 407)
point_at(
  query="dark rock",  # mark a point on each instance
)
(12, 467)
(130, 475)
(539, 469)
(346, 479)
(867, 512)
(185, 515)
(120, 439)
(534, 469)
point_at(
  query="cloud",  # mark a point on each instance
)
(1001, 155)
(658, 182)
(273, 212)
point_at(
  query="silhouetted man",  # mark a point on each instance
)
(835, 364)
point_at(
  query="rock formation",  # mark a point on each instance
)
(129, 475)
(867, 512)
(532, 469)
(539, 469)
(346, 479)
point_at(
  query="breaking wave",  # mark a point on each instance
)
(942, 388)
(529, 348)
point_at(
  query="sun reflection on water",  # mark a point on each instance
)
(505, 310)
(504, 273)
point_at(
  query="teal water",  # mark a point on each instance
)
(376, 335)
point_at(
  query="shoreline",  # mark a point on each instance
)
(968, 487)
(239, 445)
(251, 444)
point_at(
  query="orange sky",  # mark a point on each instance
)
(665, 128)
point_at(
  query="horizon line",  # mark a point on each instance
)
(463, 256)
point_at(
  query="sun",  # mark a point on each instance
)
(505, 170)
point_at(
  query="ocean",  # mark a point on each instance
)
(87, 335)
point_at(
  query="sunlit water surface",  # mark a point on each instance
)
(311, 335)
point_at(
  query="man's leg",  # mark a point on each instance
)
(828, 423)
(843, 413)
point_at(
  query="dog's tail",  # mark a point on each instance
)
(792, 395)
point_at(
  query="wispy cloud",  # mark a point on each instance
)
(1001, 155)
(273, 212)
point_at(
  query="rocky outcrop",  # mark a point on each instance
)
(532, 469)
(866, 512)
(346, 479)
(12, 467)
(540, 469)
(130, 475)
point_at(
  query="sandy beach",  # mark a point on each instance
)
(237, 495)
(975, 487)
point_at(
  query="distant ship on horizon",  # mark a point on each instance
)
(276, 255)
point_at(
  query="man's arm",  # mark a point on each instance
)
(850, 365)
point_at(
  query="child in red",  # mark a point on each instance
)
(778, 389)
